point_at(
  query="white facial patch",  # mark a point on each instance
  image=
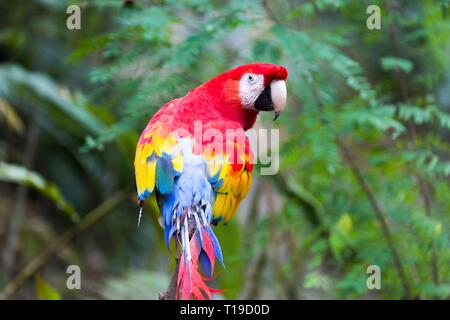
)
(250, 87)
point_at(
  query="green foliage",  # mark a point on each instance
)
(135, 285)
(15, 81)
(393, 64)
(340, 235)
(20, 175)
(10, 116)
(234, 255)
(44, 291)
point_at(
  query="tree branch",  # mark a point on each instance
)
(411, 132)
(348, 157)
(17, 217)
(378, 213)
(38, 262)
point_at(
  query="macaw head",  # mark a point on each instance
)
(250, 88)
(261, 87)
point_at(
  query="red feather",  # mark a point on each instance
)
(191, 283)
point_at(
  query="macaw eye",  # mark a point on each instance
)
(250, 78)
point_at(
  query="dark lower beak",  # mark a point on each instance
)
(273, 98)
(264, 101)
(277, 114)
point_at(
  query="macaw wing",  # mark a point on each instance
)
(230, 174)
(158, 160)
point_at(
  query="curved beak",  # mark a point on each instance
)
(278, 93)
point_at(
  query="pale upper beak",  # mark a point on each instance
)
(279, 96)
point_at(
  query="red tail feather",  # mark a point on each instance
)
(191, 284)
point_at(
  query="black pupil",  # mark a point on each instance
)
(250, 78)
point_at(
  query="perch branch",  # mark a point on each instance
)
(170, 293)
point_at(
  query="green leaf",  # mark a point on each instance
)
(44, 291)
(317, 280)
(416, 114)
(18, 174)
(381, 118)
(393, 63)
(17, 82)
(340, 235)
(10, 115)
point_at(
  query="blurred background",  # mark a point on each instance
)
(364, 161)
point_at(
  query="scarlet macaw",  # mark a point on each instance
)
(195, 157)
